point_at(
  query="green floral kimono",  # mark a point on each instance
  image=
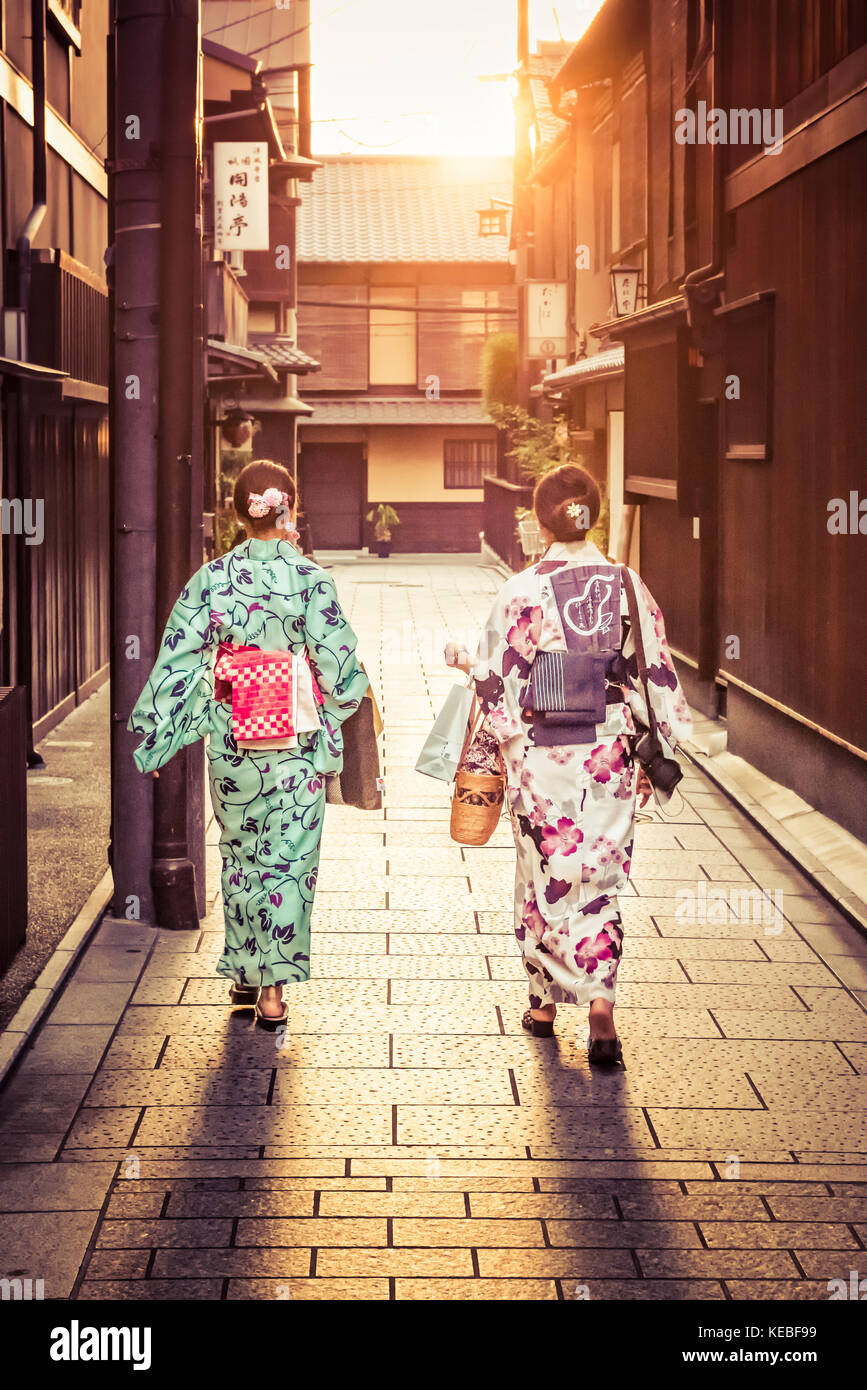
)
(269, 805)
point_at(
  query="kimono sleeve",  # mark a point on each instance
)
(331, 644)
(501, 668)
(175, 706)
(666, 695)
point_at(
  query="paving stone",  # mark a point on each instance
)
(756, 975)
(613, 1186)
(99, 1128)
(310, 995)
(777, 1235)
(443, 1290)
(852, 970)
(164, 989)
(117, 1264)
(174, 1087)
(460, 1184)
(305, 1290)
(157, 1168)
(421, 945)
(728, 1206)
(403, 1204)
(815, 1208)
(543, 1205)
(312, 1231)
(767, 1187)
(335, 1018)
(393, 1263)
(83, 1002)
(54, 1186)
(265, 1124)
(846, 1023)
(46, 1245)
(392, 1086)
(837, 938)
(811, 908)
(583, 1265)
(163, 1232)
(826, 1094)
(173, 1290)
(41, 1109)
(226, 1263)
(786, 1291)
(681, 1235)
(371, 966)
(644, 1167)
(139, 1204)
(66, 1048)
(598, 1128)
(258, 1050)
(430, 1232)
(653, 1086)
(668, 925)
(182, 964)
(716, 1264)
(110, 964)
(285, 1203)
(831, 1264)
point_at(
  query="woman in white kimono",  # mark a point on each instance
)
(572, 803)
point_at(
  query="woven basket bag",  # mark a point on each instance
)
(478, 797)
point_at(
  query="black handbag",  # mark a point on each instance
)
(663, 772)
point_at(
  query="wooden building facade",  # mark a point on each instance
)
(54, 356)
(402, 278)
(742, 377)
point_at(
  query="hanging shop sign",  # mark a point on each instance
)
(241, 195)
(546, 318)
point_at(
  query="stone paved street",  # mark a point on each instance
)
(410, 1141)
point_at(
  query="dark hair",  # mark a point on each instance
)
(258, 476)
(561, 489)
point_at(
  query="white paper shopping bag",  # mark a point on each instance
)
(444, 744)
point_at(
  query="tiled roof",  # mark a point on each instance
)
(397, 411)
(237, 356)
(542, 67)
(282, 352)
(608, 362)
(382, 209)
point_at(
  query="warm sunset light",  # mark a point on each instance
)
(433, 645)
(403, 76)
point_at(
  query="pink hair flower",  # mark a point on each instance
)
(261, 503)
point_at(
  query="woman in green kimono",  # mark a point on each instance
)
(270, 803)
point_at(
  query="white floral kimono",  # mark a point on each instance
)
(572, 806)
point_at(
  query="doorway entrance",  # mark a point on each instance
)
(332, 485)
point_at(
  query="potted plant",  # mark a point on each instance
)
(384, 518)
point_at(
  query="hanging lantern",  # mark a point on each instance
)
(236, 427)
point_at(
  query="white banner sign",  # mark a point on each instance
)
(546, 318)
(241, 196)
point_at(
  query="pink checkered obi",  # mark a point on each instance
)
(261, 687)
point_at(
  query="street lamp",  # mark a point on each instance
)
(493, 220)
(236, 427)
(625, 283)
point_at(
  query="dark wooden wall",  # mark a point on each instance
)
(69, 570)
(792, 591)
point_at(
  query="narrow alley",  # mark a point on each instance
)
(405, 1139)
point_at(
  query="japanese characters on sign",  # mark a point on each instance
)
(546, 318)
(241, 196)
